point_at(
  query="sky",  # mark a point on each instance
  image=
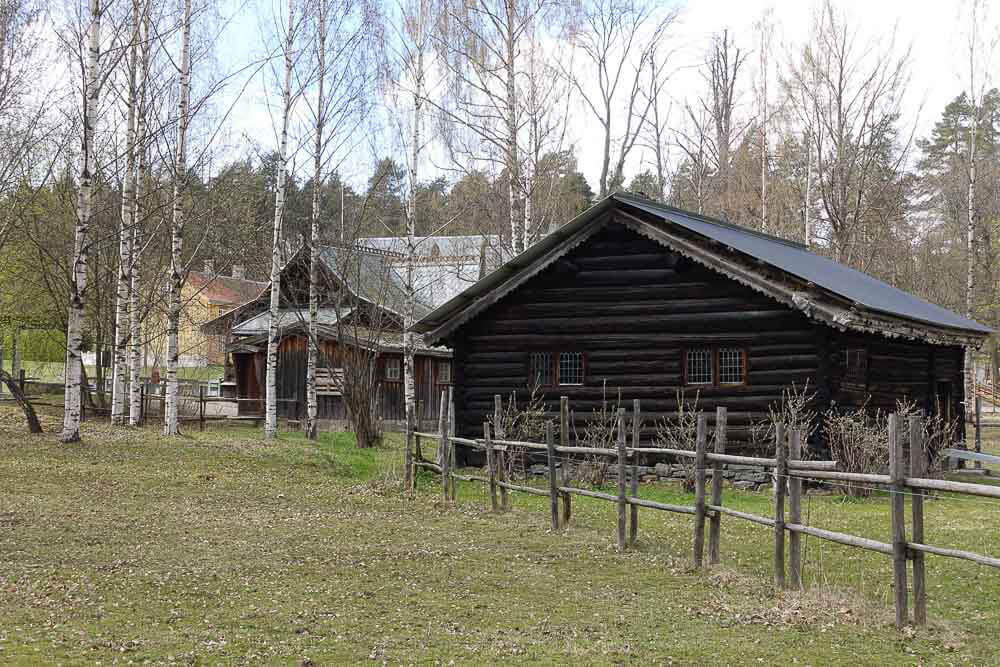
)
(934, 30)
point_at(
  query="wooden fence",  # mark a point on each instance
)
(789, 470)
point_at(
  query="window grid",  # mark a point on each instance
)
(541, 368)
(730, 365)
(856, 365)
(444, 372)
(392, 369)
(699, 366)
(570, 368)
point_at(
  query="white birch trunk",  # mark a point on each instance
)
(511, 157)
(135, 317)
(177, 229)
(127, 222)
(271, 402)
(15, 352)
(970, 276)
(409, 367)
(78, 279)
(763, 129)
(312, 403)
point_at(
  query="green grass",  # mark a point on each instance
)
(220, 547)
(52, 371)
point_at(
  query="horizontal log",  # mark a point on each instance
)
(427, 464)
(984, 490)
(433, 436)
(758, 461)
(467, 442)
(596, 451)
(470, 478)
(842, 538)
(666, 507)
(859, 477)
(520, 443)
(954, 553)
(762, 520)
(523, 489)
(588, 494)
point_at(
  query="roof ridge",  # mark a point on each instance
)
(624, 197)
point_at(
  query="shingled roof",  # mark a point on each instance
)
(821, 288)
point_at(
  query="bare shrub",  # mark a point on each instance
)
(681, 431)
(524, 422)
(859, 439)
(794, 411)
(600, 431)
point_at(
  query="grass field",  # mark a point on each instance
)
(223, 548)
(52, 371)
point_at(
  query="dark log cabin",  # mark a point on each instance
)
(645, 299)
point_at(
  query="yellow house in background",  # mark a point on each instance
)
(205, 296)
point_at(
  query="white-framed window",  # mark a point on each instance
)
(698, 366)
(732, 365)
(444, 372)
(393, 368)
(571, 368)
(214, 388)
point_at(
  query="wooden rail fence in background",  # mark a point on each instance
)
(789, 471)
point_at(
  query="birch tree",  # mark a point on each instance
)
(126, 224)
(618, 39)
(312, 403)
(140, 178)
(481, 44)
(177, 224)
(271, 388)
(342, 47)
(78, 278)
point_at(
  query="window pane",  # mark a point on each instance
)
(856, 367)
(699, 365)
(541, 369)
(571, 368)
(392, 369)
(731, 365)
(444, 372)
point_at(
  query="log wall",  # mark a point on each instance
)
(632, 307)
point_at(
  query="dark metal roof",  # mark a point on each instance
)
(787, 256)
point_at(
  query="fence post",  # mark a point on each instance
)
(500, 433)
(142, 403)
(699, 494)
(979, 433)
(918, 468)
(491, 465)
(564, 441)
(715, 522)
(795, 512)
(498, 430)
(897, 511)
(780, 477)
(408, 452)
(633, 533)
(418, 425)
(20, 379)
(443, 454)
(550, 446)
(621, 480)
(201, 407)
(451, 445)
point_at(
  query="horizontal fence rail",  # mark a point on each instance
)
(789, 469)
